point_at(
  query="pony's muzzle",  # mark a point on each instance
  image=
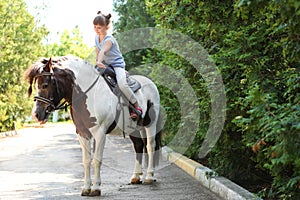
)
(39, 118)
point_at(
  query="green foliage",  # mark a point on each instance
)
(268, 61)
(255, 45)
(20, 43)
(71, 43)
(132, 15)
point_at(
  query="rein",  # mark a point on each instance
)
(64, 104)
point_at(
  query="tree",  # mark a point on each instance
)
(132, 15)
(20, 44)
(71, 43)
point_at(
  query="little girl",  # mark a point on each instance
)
(108, 53)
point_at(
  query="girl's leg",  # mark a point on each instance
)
(122, 83)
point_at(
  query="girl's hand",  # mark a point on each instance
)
(101, 65)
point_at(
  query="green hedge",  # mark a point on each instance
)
(256, 46)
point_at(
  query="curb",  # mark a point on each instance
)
(208, 178)
(15, 132)
(8, 134)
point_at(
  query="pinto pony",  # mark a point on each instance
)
(96, 111)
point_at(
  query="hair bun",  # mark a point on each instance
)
(99, 12)
(108, 16)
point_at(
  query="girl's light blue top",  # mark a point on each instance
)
(113, 57)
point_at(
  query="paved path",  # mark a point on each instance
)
(45, 163)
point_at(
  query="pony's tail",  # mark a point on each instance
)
(158, 143)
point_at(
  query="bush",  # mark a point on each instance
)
(256, 46)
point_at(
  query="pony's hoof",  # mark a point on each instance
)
(95, 193)
(135, 181)
(149, 181)
(85, 192)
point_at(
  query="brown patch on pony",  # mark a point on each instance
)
(80, 114)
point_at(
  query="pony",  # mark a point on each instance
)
(65, 81)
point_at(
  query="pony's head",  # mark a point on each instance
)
(48, 82)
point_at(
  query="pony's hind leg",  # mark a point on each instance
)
(150, 131)
(138, 144)
(86, 160)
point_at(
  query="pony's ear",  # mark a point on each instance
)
(48, 67)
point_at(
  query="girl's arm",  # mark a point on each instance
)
(100, 55)
(97, 52)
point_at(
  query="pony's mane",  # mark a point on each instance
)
(57, 66)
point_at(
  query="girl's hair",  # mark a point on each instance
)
(101, 19)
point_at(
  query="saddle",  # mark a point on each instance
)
(109, 76)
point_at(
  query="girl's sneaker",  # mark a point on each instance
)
(136, 113)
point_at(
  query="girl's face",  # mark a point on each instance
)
(100, 30)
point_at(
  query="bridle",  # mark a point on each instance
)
(50, 102)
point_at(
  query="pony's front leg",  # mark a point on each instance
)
(97, 160)
(86, 160)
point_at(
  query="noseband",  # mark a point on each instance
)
(50, 102)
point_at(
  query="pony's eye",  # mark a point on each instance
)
(44, 86)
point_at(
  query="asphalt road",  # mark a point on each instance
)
(45, 163)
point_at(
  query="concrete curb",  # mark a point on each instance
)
(8, 134)
(15, 132)
(208, 178)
